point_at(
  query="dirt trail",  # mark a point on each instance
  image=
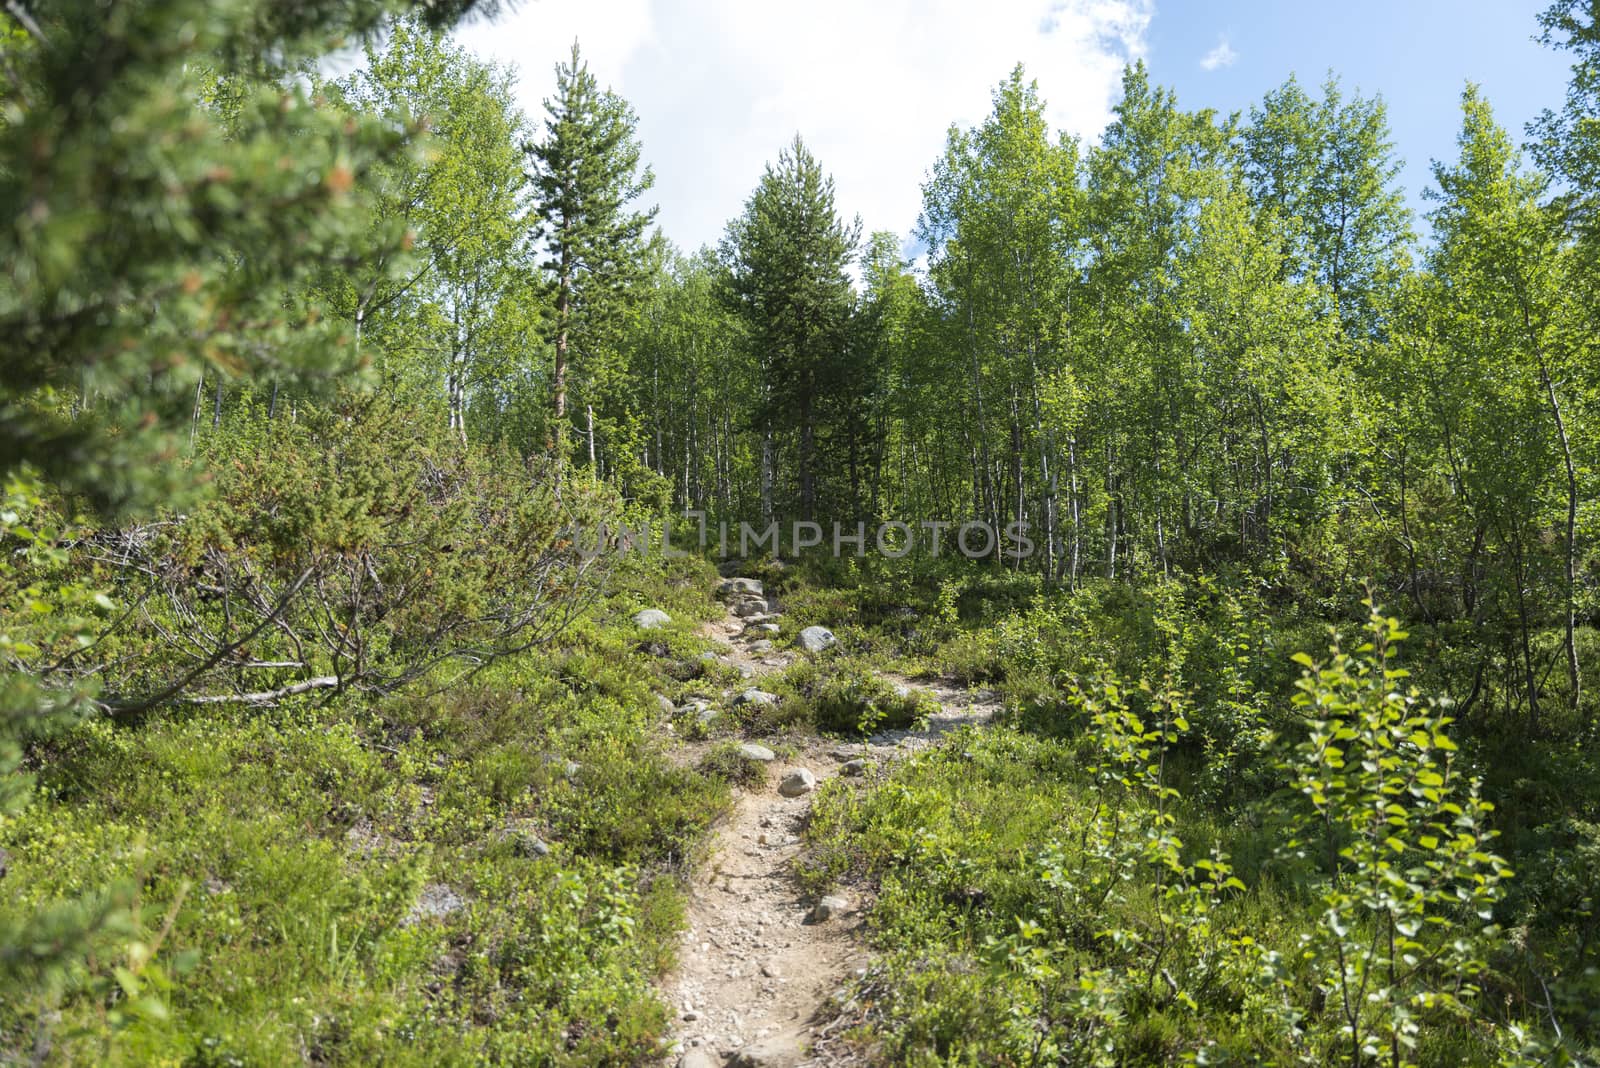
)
(757, 963)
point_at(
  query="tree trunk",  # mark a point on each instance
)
(558, 378)
(1574, 677)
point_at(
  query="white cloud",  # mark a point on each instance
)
(721, 86)
(1221, 56)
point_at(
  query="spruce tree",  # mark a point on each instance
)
(587, 176)
(788, 254)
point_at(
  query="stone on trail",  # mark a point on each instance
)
(816, 639)
(750, 606)
(797, 782)
(854, 768)
(752, 751)
(738, 587)
(650, 619)
(664, 703)
(761, 628)
(762, 646)
(698, 1058)
(771, 1053)
(756, 697)
(829, 908)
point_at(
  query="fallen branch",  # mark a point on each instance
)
(262, 697)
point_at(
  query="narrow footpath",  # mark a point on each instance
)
(759, 960)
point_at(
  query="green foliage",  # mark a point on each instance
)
(460, 309)
(157, 242)
(1064, 899)
(347, 549)
(586, 174)
(786, 258)
(848, 697)
(1406, 886)
(307, 838)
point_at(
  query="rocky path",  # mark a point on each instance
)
(758, 959)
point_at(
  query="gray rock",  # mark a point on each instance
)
(752, 751)
(650, 619)
(816, 639)
(738, 587)
(829, 908)
(854, 768)
(5, 863)
(434, 903)
(771, 1053)
(756, 697)
(762, 646)
(525, 842)
(707, 657)
(798, 782)
(762, 628)
(664, 703)
(698, 1058)
(751, 606)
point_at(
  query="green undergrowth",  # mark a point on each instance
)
(486, 875)
(1164, 853)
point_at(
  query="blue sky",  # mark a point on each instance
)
(721, 85)
(1417, 54)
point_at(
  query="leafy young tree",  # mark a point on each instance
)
(462, 304)
(1568, 140)
(1403, 874)
(1001, 215)
(1326, 168)
(1506, 310)
(788, 255)
(1153, 167)
(694, 385)
(1271, 400)
(587, 175)
(887, 324)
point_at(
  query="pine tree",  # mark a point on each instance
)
(587, 176)
(788, 254)
(156, 232)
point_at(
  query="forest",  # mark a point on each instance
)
(389, 675)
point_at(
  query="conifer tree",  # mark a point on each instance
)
(587, 177)
(788, 254)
